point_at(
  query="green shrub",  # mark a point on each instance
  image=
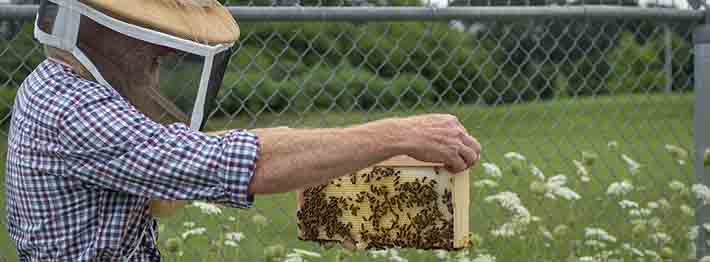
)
(251, 59)
(636, 67)
(340, 88)
(19, 57)
(251, 93)
(7, 99)
(408, 91)
(682, 63)
(587, 76)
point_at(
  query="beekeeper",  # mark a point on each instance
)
(97, 135)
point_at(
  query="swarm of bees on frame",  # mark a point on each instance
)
(379, 208)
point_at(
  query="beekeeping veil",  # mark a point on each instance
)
(200, 32)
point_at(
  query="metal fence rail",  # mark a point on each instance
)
(585, 113)
(488, 13)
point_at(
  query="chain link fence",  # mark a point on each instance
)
(585, 114)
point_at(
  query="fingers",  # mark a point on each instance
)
(455, 165)
(472, 143)
(471, 149)
(469, 156)
(442, 138)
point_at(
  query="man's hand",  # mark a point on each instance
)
(439, 138)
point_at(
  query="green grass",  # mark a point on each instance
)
(550, 134)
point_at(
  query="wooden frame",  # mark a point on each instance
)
(400, 202)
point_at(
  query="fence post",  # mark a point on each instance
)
(668, 50)
(701, 38)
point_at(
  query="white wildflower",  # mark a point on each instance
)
(613, 144)
(521, 216)
(676, 185)
(705, 259)
(652, 205)
(555, 186)
(634, 167)
(664, 204)
(232, 219)
(483, 183)
(638, 221)
(679, 153)
(660, 238)
(586, 259)
(654, 222)
(378, 253)
(702, 192)
(693, 233)
(492, 169)
(509, 201)
(546, 233)
(188, 224)
(640, 212)
(234, 236)
(207, 208)
(557, 181)
(595, 243)
(581, 169)
(598, 233)
(394, 256)
(567, 193)
(620, 188)
(536, 172)
(706, 226)
(195, 231)
(514, 156)
(260, 220)
(298, 255)
(484, 258)
(606, 256)
(687, 210)
(633, 250)
(509, 229)
(561, 230)
(293, 257)
(230, 243)
(652, 254)
(585, 179)
(628, 204)
(441, 254)
(398, 259)
(306, 253)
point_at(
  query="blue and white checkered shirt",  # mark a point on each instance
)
(82, 165)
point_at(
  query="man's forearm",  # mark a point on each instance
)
(297, 158)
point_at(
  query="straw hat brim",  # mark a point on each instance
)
(203, 21)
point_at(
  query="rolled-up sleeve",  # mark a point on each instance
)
(107, 143)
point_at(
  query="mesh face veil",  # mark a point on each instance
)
(201, 32)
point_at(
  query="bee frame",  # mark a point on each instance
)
(400, 202)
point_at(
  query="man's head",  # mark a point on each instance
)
(114, 54)
(119, 43)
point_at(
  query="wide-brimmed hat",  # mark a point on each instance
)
(203, 21)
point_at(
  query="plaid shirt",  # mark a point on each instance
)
(83, 164)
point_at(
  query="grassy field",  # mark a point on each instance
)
(551, 135)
